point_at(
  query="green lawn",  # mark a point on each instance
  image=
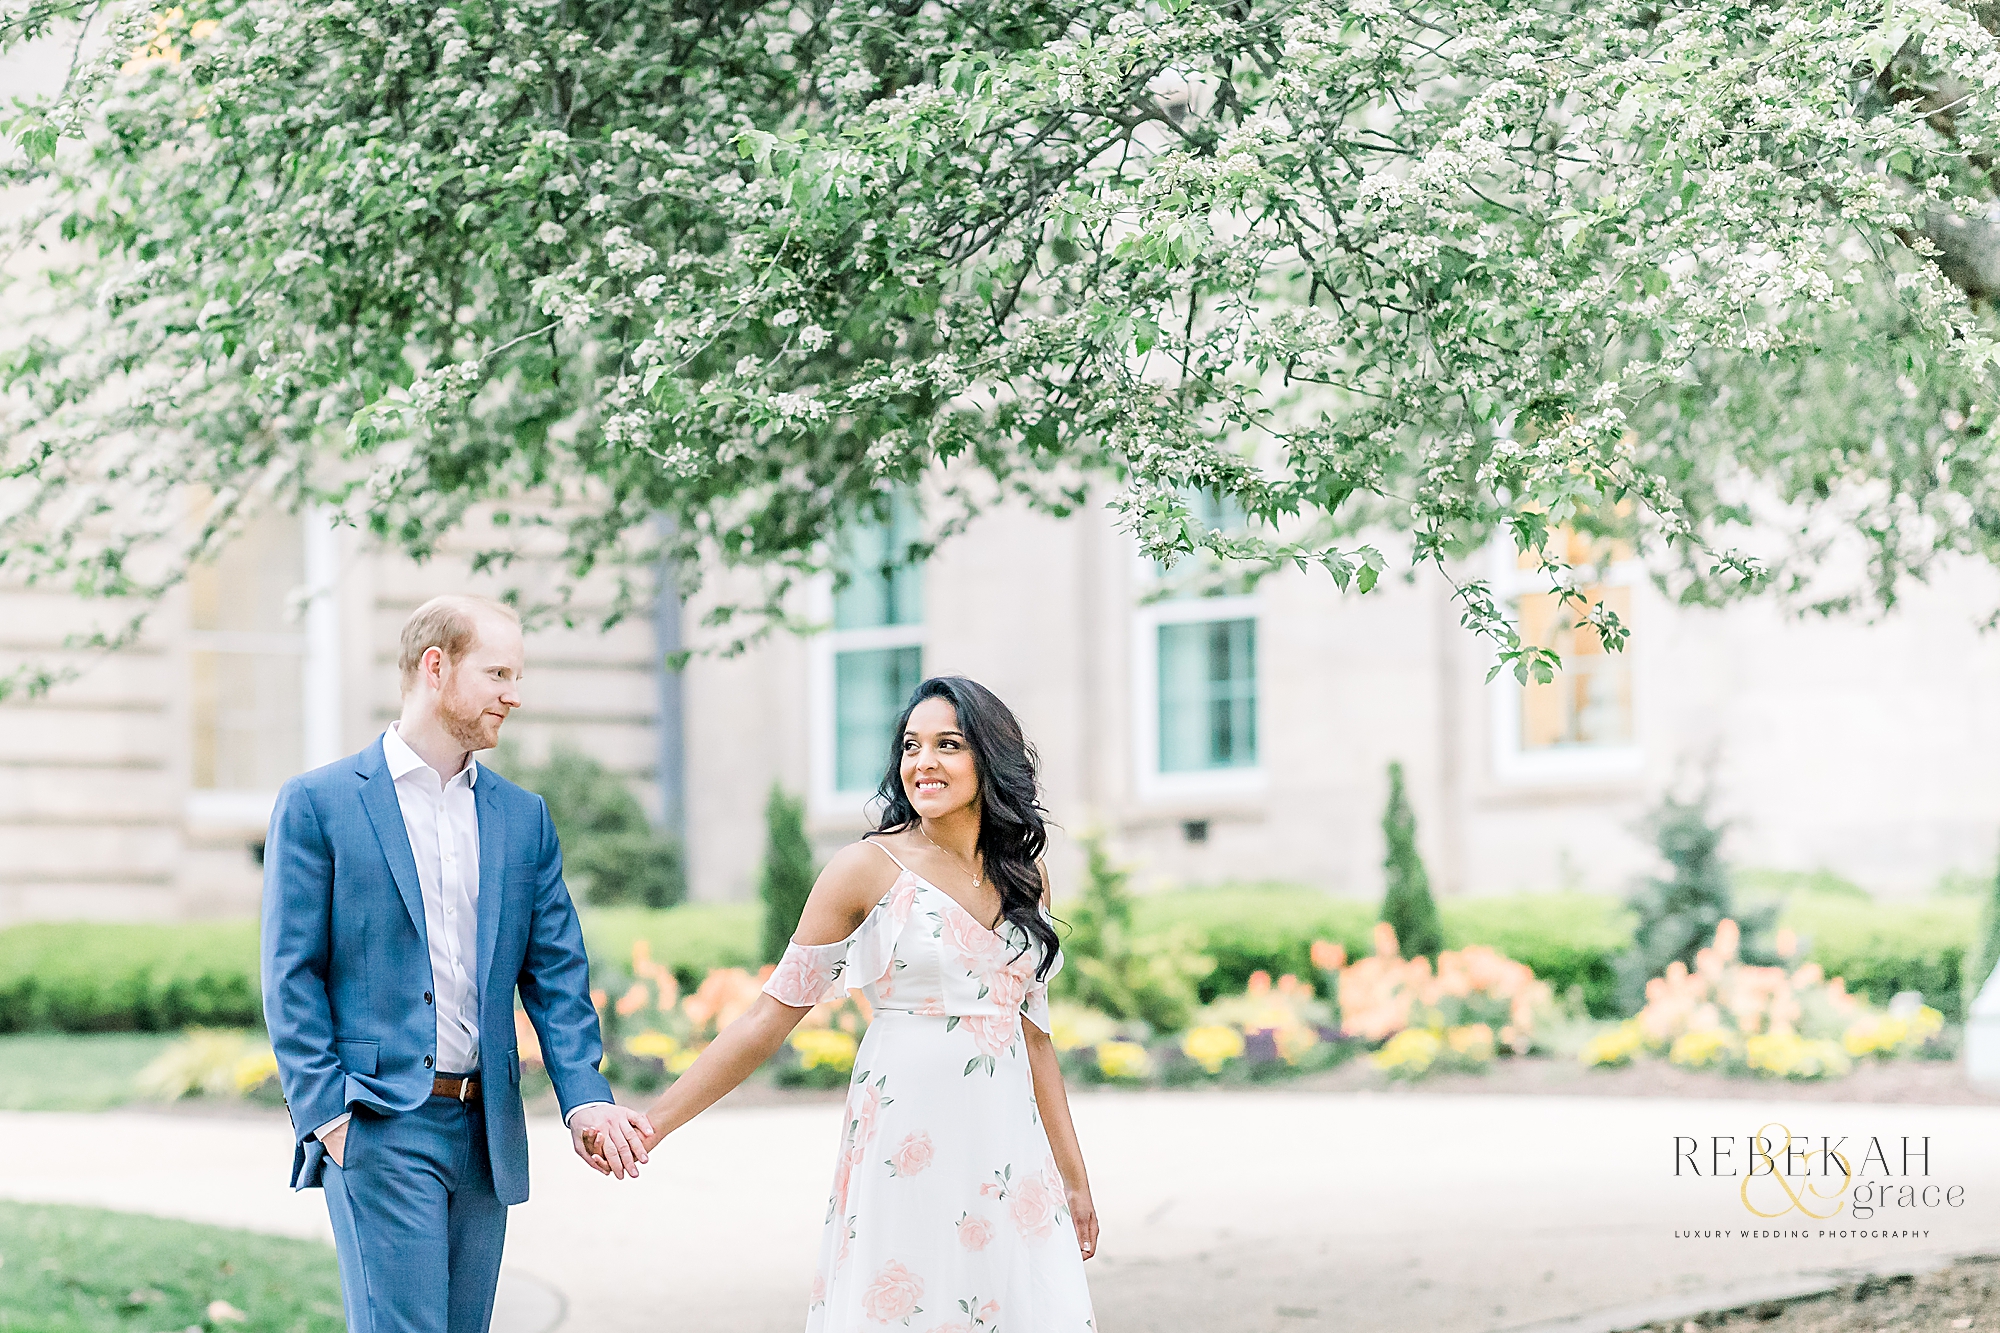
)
(60, 1071)
(84, 1270)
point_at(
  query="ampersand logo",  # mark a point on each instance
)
(1779, 1173)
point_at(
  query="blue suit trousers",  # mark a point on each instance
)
(416, 1222)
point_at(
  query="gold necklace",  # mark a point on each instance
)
(976, 877)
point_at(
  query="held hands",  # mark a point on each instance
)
(612, 1139)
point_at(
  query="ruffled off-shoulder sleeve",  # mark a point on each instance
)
(1035, 1004)
(810, 973)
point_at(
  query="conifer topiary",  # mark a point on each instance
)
(1677, 915)
(788, 873)
(1407, 904)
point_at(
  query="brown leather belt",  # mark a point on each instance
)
(458, 1089)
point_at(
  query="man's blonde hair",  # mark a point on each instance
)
(449, 623)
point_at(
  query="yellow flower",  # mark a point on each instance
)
(828, 1048)
(1700, 1049)
(1124, 1059)
(679, 1062)
(252, 1071)
(1212, 1046)
(1618, 1047)
(1409, 1052)
(1072, 1026)
(653, 1045)
(1788, 1055)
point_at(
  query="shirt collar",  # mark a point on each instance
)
(403, 761)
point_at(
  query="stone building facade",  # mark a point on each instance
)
(1237, 736)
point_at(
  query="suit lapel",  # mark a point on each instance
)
(378, 798)
(492, 854)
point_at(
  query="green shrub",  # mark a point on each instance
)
(1880, 949)
(1570, 939)
(1252, 928)
(612, 854)
(1678, 915)
(1112, 968)
(1407, 904)
(786, 880)
(690, 939)
(92, 977)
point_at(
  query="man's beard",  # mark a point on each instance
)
(465, 723)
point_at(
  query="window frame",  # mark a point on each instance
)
(316, 642)
(825, 800)
(1560, 764)
(1147, 618)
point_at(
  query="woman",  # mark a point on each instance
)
(959, 1202)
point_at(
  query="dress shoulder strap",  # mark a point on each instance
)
(870, 840)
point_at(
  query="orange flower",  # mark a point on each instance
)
(1385, 939)
(633, 1000)
(1328, 956)
(1260, 983)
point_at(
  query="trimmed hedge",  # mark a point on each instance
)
(1880, 951)
(690, 939)
(122, 978)
(1568, 939)
(90, 977)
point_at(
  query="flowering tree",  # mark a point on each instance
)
(1673, 268)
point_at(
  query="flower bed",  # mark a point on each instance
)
(1789, 1021)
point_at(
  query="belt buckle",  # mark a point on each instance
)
(465, 1089)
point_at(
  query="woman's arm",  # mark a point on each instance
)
(1053, 1102)
(730, 1058)
(853, 882)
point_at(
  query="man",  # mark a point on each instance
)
(407, 893)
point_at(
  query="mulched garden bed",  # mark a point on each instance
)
(1965, 1295)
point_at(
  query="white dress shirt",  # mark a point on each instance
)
(442, 822)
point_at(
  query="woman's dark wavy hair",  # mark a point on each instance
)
(1013, 829)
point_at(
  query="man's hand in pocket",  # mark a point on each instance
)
(335, 1142)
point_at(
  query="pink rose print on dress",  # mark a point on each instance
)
(991, 1033)
(974, 1233)
(932, 1007)
(902, 897)
(913, 1154)
(1032, 1206)
(893, 1295)
(801, 978)
(819, 1289)
(1007, 987)
(989, 1311)
(975, 945)
(865, 1116)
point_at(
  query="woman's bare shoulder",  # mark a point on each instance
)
(859, 874)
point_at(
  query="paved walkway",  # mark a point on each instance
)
(1223, 1212)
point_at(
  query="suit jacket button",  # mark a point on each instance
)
(427, 997)
(427, 1062)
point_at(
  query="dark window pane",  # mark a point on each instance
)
(1208, 695)
(869, 690)
(882, 588)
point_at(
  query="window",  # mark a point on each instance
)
(872, 660)
(1208, 695)
(1195, 671)
(246, 664)
(1582, 723)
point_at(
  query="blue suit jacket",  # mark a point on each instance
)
(347, 967)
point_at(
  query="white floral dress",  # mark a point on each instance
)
(947, 1213)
